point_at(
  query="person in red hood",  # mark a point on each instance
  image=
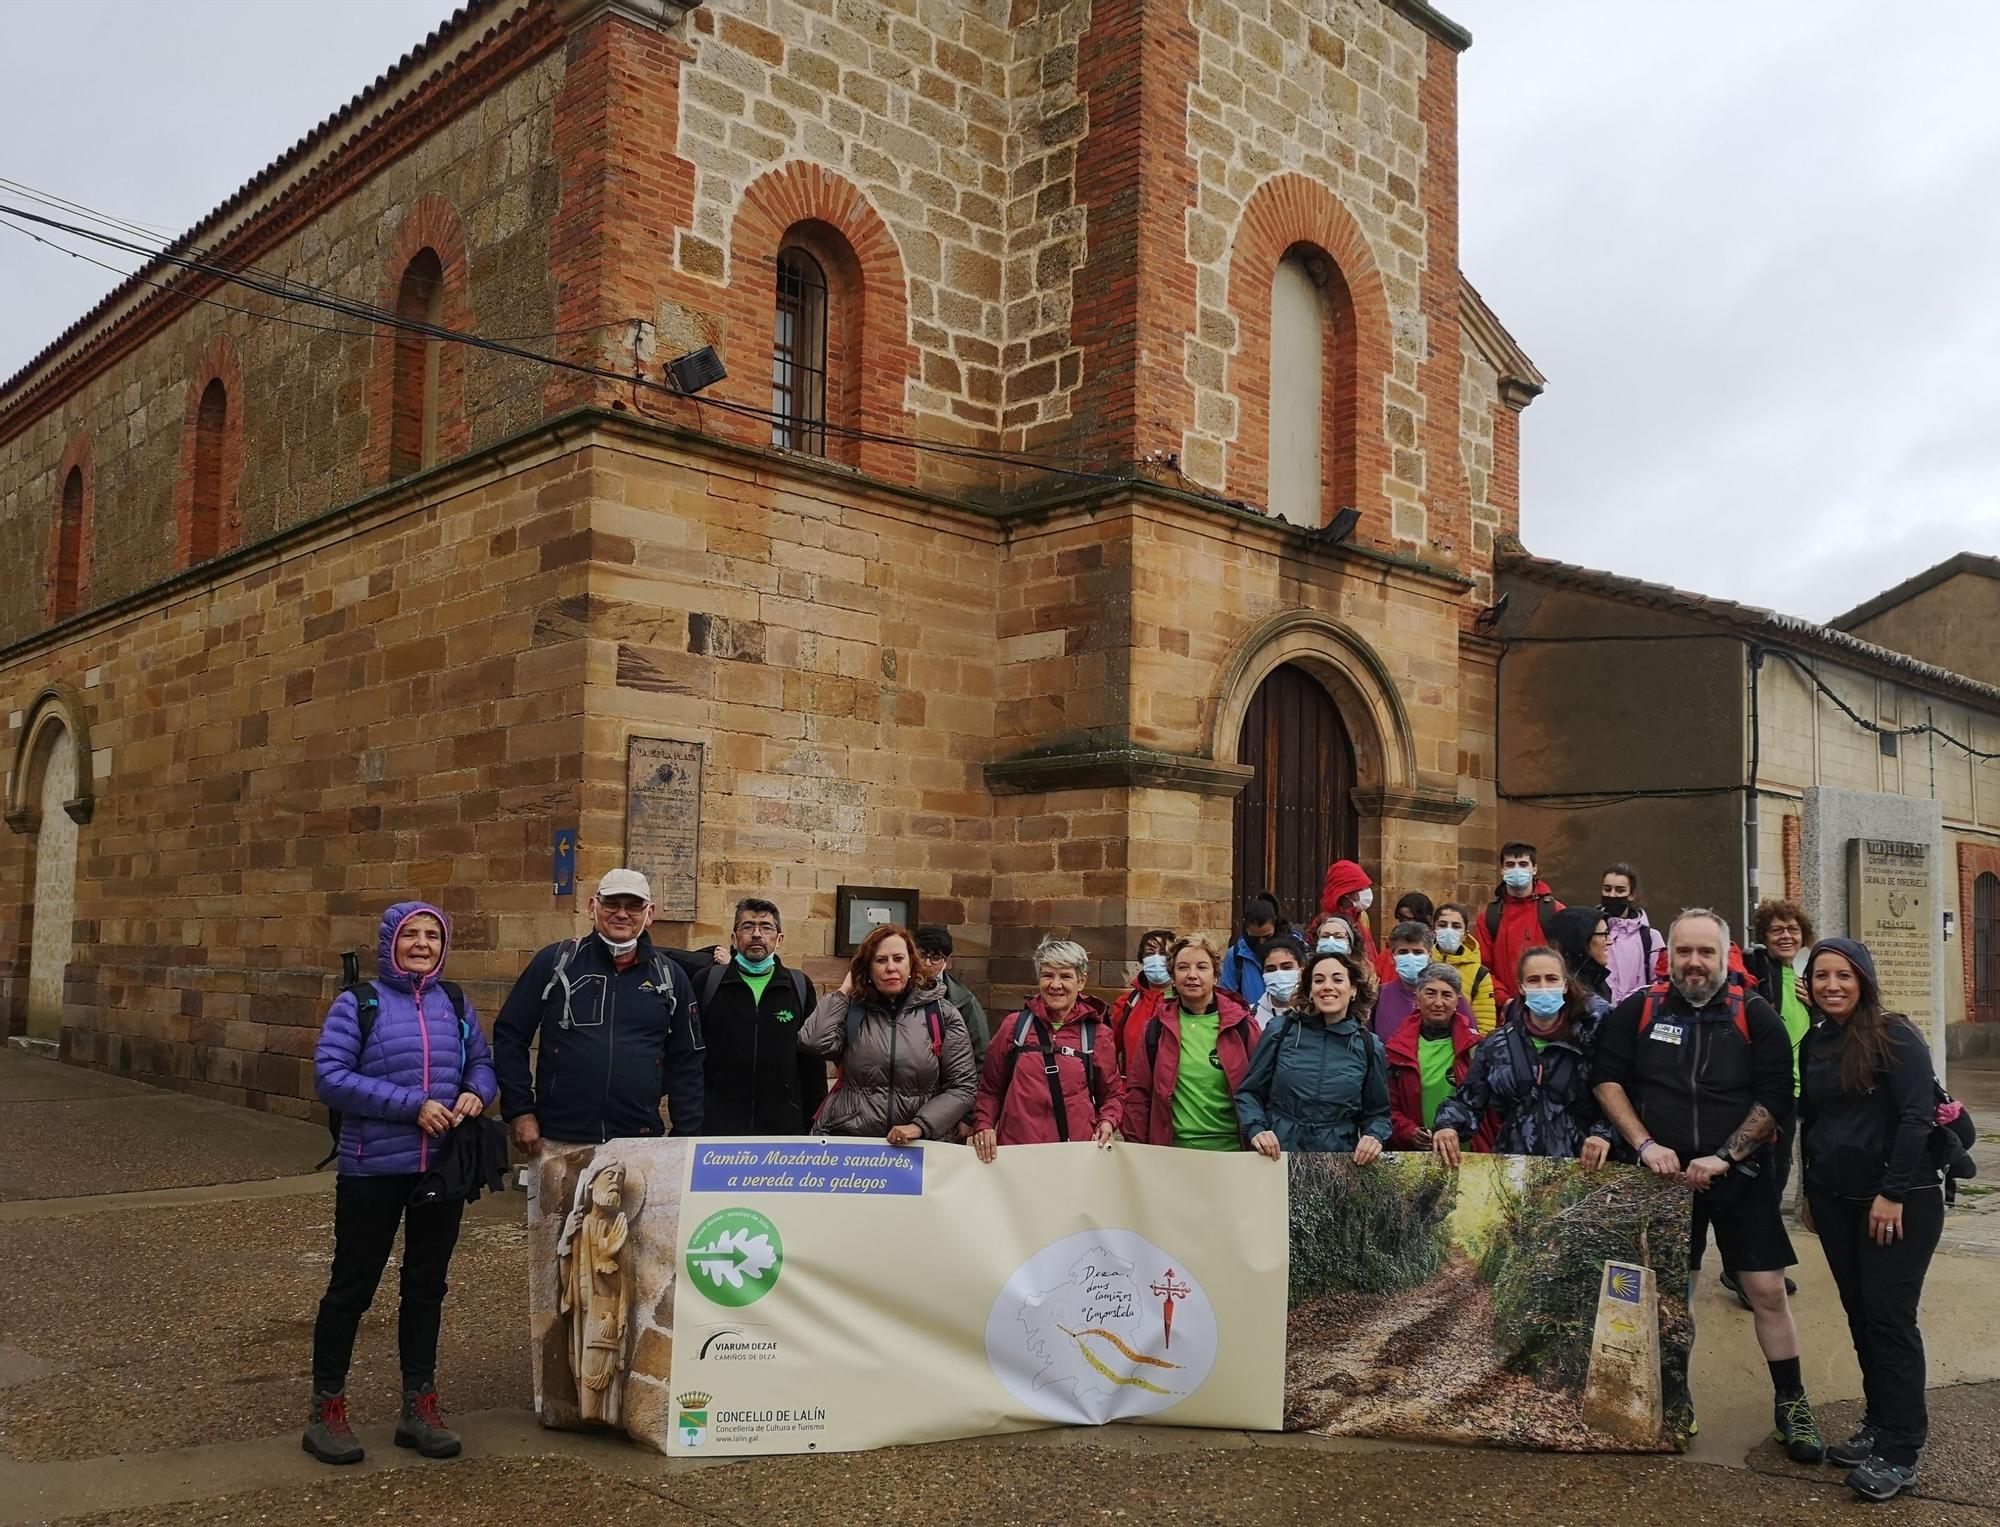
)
(1349, 893)
(1518, 918)
(1051, 1071)
(1428, 1058)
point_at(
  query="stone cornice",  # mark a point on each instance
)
(1040, 770)
(575, 15)
(1435, 22)
(1521, 381)
(1423, 804)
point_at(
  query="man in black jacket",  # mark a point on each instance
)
(1696, 1075)
(618, 1028)
(759, 1081)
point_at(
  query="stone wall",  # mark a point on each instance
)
(1950, 624)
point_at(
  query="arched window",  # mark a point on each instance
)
(211, 434)
(799, 354)
(67, 597)
(1298, 364)
(414, 390)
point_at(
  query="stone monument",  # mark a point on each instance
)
(1621, 1394)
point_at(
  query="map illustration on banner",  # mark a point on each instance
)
(1100, 1327)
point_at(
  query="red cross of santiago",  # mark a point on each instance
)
(1169, 1291)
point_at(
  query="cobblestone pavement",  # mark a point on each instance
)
(162, 1258)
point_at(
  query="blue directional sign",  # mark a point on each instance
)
(565, 861)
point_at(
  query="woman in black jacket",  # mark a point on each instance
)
(1874, 1197)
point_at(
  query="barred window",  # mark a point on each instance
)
(798, 355)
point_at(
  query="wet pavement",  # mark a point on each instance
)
(163, 1256)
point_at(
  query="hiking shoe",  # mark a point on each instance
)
(423, 1428)
(1878, 1479)
(328, 1436)
(1729, 1282)
(1856, 1450)
(1791, 1289)
(1793, 1424)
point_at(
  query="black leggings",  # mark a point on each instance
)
(1880, 1287)
(366, 1211)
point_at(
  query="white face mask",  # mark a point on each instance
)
(1364, 898)
(1283, 985)
(625, 948)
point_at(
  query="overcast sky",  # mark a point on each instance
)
(1753, 244)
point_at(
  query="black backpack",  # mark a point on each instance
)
(1030, 1029)
(1951, 1145)
(366, 1006)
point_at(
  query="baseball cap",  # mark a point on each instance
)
(624, 883)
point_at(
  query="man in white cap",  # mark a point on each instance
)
(618, 1032)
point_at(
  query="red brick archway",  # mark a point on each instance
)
(1286, 212)
(66, 569)
(432, 224)
(870, 356)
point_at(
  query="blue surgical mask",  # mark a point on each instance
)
(1450, 940)
(751, 967)
(1545, 1001)
(1410, 966)
(1154, 968)
(1518, 879)
(1331, 946)
(1283, 985)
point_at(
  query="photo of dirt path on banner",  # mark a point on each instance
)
(1463, 1306)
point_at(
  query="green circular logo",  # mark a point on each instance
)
(735, 1256)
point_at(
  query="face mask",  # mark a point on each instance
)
(1410, 966)
(1283, 985)
(1364, 898)
(1451, 940)
(1545, 1001)
(1616, 906)
(625, 948)
(752, 967)
(1154, 968)
(1331, 946)
(1517, 879)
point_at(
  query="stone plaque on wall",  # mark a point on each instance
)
(1892, 908)
(663, 821)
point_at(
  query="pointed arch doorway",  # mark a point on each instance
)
(1296, 815)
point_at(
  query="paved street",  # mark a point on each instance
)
(162, 1256)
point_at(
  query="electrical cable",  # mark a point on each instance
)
(284, 290)
(1920, 729)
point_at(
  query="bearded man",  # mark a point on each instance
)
(1696, 1074)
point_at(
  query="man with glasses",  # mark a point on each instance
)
(759, 1081)
(934, 951)
(617, 1028)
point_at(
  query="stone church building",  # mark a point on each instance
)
(1001, 569)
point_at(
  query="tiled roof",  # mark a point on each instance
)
(1965, 562)
(1778, 630)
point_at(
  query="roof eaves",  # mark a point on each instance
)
(1965, 562)
(1824, 640)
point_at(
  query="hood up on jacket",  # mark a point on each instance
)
(1343, 878)
(386, 970)
(1856, 954)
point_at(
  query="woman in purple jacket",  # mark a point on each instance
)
(421, 1067)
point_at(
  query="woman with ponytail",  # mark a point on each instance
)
(1874, 1197)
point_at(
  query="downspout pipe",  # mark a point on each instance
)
(1752, 887)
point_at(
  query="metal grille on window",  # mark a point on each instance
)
(798, 355)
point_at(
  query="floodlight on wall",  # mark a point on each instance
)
(1338, 530)
(696, 370)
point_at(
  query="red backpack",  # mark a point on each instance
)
(1739, 1002)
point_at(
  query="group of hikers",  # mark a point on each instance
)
(1522, 1027)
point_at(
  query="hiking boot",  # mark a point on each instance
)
(423, 1428)
(1793, 1424)
(1856, 1450)
(1878, 1479)
(1728, 1281)
(328, 1436)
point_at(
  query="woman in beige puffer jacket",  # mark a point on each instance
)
(904, 1053)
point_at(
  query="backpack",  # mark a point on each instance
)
(1026, 1027)
(663, 983)
(1951, 1142)
(1659, 991)
(367, 1005)
(1489, 920)
(711, 983)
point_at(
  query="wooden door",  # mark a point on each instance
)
(1296, 815)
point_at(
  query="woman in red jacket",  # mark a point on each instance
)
(1349, 893)
(1184, 1064)
(1428, 1057)
(1051, 1071)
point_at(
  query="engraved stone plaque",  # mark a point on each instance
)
(1892, 908)
(663, 821)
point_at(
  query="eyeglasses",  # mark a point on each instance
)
(756, 927)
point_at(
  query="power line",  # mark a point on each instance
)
(285, 290)
(1920, 729)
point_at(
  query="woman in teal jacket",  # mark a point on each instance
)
(1319, 1080)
